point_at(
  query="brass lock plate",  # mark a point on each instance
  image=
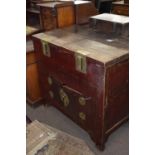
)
(80, 63)
(46, 49)
(64, 97)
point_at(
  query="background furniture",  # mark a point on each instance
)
(56, 15)
(120, 8)
(63, 14)
(110, 23)
(104, 6)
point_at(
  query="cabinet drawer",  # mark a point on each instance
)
(56, 56)
(61, 61)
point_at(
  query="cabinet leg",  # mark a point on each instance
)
(101, 147)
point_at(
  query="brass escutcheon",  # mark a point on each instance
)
(82, 115)
(82, 101)
(64, 97)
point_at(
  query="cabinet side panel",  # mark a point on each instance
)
(117, 94)
(66, 16)
(84, 11)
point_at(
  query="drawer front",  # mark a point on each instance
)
(60, 58)
(61, 61)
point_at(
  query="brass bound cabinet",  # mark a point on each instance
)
(85, 77)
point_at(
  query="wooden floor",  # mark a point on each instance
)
(117, 144)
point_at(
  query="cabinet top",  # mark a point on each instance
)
(30, 30)
(113, 18)
(62, 3)
(95, 45)
(120, 3)
(55, 4)
(29, 46)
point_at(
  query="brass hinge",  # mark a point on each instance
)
(46, 49)
(80, 63)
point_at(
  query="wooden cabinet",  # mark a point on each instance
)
(63, 14)
(83, 10)
(120, 8)
(56, 14)
(85, 77)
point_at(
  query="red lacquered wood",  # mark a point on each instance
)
(104, 87)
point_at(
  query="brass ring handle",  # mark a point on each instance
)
(82, 101)
(82, 116)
